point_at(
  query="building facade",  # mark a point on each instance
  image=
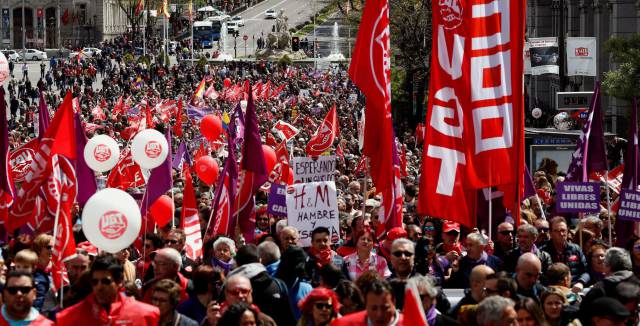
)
(601, 19)
(52, 23)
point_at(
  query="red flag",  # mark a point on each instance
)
(285, 130)
(370, 70)
(282, 154)
(149, 116)
(139, 7)
(98, 113)
(118, 108)
(202, 151)
(190, 221)
(64, 246)
(270, 140)
(177, 128)
(6, 182)
(340, 152)
(325, 135)
(58, 139)
(474, 124)
(362, 165)
(413, 310)
(126, 174)
(390, 213)
(403, 162)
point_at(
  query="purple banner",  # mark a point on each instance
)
(578, 197)
(629, 205)
(277, 204)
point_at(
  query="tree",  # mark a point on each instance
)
(623, 82)
(129, 9)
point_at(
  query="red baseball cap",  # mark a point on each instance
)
(88, 247)
(450, 226)
(396, 233)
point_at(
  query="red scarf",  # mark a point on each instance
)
(323, 257)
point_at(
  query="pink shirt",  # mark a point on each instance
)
(375, 263)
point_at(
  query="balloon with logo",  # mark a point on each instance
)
(211, 127)
(101, 153)
(111, 220)
(149, 148)
(4, 68)
(207, 169)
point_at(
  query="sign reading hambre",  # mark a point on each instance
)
(310, 205)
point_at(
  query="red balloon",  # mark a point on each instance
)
(211, 127)
(207, 169)
(162, 210)
(269, 157)
(290, 177)
(227, 82)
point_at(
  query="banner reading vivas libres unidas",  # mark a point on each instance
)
(310, 205)
(474, 124)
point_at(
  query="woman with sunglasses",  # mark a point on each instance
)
(319, 308)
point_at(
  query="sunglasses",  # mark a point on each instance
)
(402, 253)
(429, 228)
(172, 241)
(543, 230)
(104, 281)
(321, 306)
(238, 292)
(506, 232)
(13, 290)
(49, 247)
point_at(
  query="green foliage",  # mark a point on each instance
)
(623, 82)
(285, 61)
(128, 58)
(201, 63)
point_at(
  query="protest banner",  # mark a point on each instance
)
(277, 204)
(578, 197)
(629, 205)
(307, 169)
(310, 205)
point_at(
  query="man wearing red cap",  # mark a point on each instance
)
(393, 234)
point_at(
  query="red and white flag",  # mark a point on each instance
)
(190, 222)
(126, 174)
(474, 124)
(325, 135)
(370, 70)
(285, 130)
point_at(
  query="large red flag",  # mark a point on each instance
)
(190, 221)
(177, 128)
(126, 174)
(474, 124)
(370, 70)
(325, 135)
(64, 247)
(6, 183)
(58, 139)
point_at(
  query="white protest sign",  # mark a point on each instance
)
(310, 205)
(307, 169)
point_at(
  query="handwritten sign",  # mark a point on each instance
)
(307, 169)
(310, 205)
(277, 204)
(629, 205)
(578, 197)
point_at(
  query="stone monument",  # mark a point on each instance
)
(278, 42)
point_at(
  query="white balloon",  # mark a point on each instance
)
(101, 153)
(111, 220)
(536, 113)
(4, 68)
(149, 148)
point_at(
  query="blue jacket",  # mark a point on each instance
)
(43, 283)
(460, 279)
(573, 257)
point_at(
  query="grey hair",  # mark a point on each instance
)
(172, 255)
(593, 219)
(424, 282)
(491, 310)
(268, 252)
(477, 237)
(280, 225)
(617, 259)
(529, 229)
(406, 241)
(228, 242)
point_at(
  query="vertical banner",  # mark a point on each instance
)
(474, 125)
(40, 26)
(581, 56)
(527, 58)
(6, 35)
(545, 55)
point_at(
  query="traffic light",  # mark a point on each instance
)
(295, 43)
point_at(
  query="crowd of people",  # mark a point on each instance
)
(539, 269)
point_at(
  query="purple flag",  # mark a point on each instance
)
(255, 170)
(182, 155)
(590, 155)
(624, 228)
(160, 180)
(529, 188)
(87, 185)
(43, 116)
(197, 112)
(6, 186)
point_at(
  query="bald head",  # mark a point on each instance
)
(480, 273)
(238, 289)
(528, 270)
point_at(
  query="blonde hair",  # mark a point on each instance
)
(26, 256)
(41, 241)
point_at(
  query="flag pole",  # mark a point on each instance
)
(191, 22)
(606, 184)
(364, 188)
